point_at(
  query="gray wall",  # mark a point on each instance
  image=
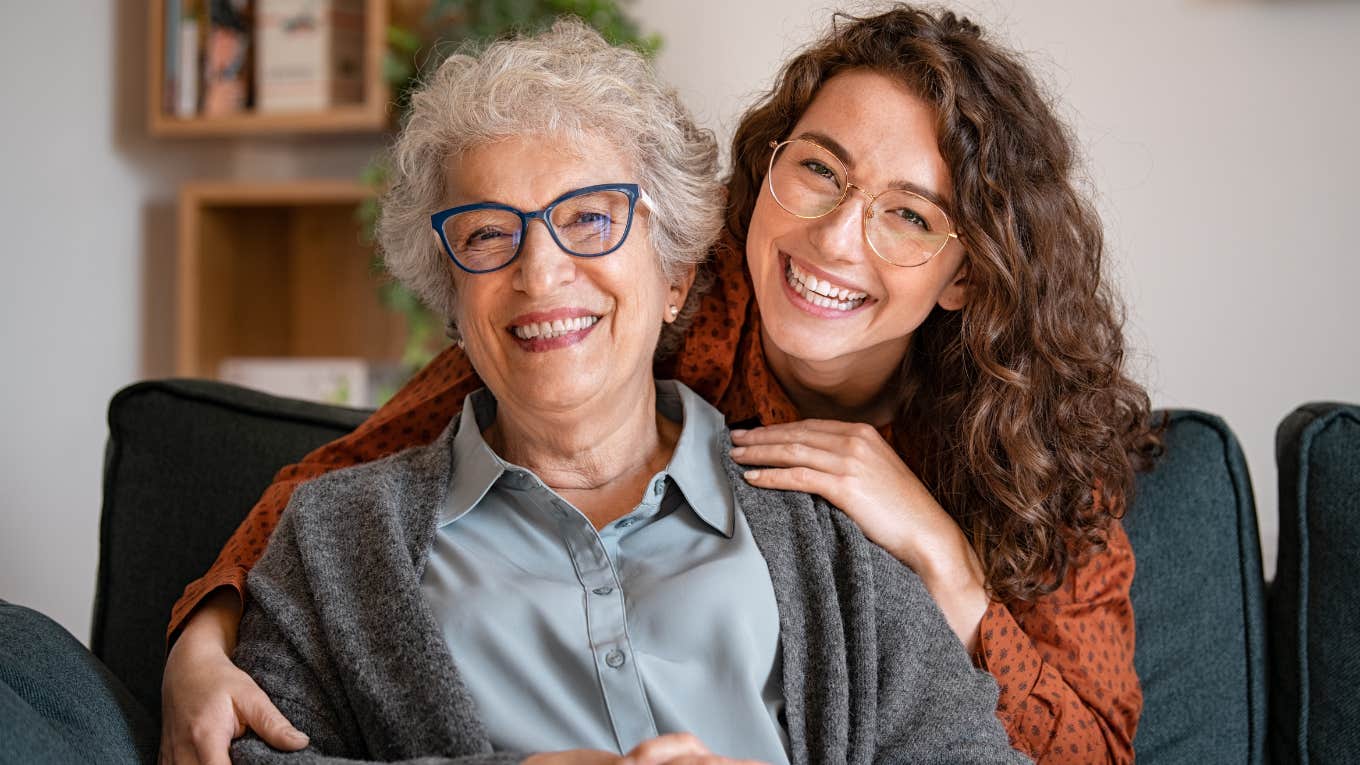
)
(1220, 135)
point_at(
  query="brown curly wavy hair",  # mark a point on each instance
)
(1016, 410)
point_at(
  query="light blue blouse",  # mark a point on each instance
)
(664, 621)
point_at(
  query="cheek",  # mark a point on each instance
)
(764, 228)
(916, 293)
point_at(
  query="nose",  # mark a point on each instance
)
(542, 266)
(839, 235)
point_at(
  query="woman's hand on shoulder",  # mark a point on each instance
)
(206, 700)
(854, 468)
(670, 749)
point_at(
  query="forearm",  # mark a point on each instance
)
(1071, 693)
(226, 579)
(934, 706)
(952, 574)
(252, 751)
(214, 623)
(1056, 722)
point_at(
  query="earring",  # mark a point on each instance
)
(675, 311)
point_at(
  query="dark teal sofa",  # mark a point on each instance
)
(186, 459)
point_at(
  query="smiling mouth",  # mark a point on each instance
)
(821, 292)
(548, 330)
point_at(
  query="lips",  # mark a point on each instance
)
(822, 292)
(548, 330)
(551, 329)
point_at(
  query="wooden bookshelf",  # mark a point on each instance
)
(368, 116)
(277, 269)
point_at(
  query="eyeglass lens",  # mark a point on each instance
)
(903, 228)
(585, 225)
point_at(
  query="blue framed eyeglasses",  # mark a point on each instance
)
(587, 223)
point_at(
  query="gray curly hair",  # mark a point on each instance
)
(566, 81)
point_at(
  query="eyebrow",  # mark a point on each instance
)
(834, 146)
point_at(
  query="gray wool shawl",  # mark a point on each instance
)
(338, 633)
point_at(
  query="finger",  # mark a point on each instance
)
(799, 479)
(794, 430)
(709, 760)
(826, 460)
(257, 712)
(662, 749)
(854, 440)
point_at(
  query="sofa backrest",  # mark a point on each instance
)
(185, 461)
(1314, 622)
(1198, 600)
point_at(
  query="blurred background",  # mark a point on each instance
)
(148, 234)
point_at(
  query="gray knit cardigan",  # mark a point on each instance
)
(338, 633)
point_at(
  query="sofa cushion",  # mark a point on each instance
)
(185, 462)
(1198, 600)
(1314, 622)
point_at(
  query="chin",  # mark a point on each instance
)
(545, 396)
(804, 344)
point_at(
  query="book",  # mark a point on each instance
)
(170, 60)
(226, 58)
(186, 61)
(309, 54)
(345, 381)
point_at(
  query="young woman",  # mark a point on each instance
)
(909, 303)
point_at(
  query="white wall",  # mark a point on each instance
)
(86, 302)
(1220, 133)
(1221, 138)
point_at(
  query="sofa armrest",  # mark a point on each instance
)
(1315, 665)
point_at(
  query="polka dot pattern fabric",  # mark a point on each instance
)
(1064, 664)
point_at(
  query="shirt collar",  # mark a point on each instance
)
(695, 466)
(475, 466)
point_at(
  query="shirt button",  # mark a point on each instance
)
(602, 590)
(626, 522)
(659, 488)
(615, 658)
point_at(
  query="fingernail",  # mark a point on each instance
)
(738, 433)
(738, 450)
(299, 737)
(751, 475)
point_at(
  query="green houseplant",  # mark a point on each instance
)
(415, 46)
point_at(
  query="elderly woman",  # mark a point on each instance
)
(574, 571)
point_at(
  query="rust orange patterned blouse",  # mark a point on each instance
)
(1064, 663)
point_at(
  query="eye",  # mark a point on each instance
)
(820, 169)
(908, 215)
(585, 217)
(484, 235)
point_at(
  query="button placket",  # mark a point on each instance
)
(595, 556)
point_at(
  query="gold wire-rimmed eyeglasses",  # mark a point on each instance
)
(903, 228)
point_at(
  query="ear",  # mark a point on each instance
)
(679, 291)
(955, 296)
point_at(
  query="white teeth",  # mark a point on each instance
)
(822, 293)
(550, 329)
